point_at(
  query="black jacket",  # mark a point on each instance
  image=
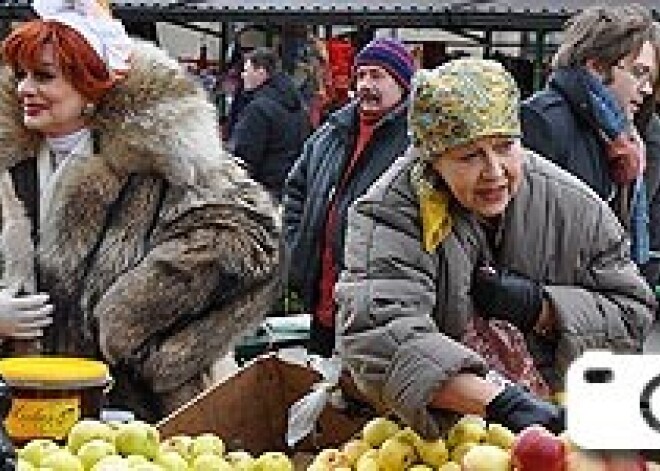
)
(270, 132)
(553, 126)
(311, 186)
(651, 137)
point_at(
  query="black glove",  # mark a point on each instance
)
(507, 296)
(516, 409)
(7, 453)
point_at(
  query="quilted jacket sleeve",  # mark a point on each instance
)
(613, 307)
(386, 296)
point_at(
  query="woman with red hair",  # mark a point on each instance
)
(129, 234)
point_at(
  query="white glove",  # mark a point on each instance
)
(24, 316)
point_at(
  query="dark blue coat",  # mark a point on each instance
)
(270, 132)
(311, 186)
(554, 126)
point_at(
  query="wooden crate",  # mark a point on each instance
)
(249, 410)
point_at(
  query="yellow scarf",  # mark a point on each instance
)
(436, 220)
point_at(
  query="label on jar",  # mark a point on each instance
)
(42, 418)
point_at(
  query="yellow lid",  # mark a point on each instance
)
(52, 371)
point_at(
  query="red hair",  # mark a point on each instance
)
(80, 64)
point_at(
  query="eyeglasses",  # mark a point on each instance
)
(638, 73)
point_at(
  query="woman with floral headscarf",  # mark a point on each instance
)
(123, 221)
(474, 267)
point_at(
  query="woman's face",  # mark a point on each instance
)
(50, 103)
(484, 175)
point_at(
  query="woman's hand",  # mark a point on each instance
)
(507, 296)
(509, 405)
(516, 409)
(24, 316)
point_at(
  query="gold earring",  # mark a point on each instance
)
(88, 110)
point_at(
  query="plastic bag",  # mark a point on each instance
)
(304, 413)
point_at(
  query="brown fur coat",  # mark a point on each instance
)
(158, 251)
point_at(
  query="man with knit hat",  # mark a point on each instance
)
(338, 163)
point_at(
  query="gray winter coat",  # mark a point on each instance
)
(402, 309)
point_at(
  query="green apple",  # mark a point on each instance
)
(394, 455)
(138, 438)
(460, 450)
(111, 463)
(182, 444)
(210, 462)
(148, 466)
(62, 460)
(87, 430)
(409, 436)
(367, 464)
(329, 459)
(499, 435)
(23, 465)
(486, 458)
(207, 443)
(368, 461)
(273, 461)
(171, 461)
(36, 450)
(134, 460)
(93, 451)
(353, 449)
(377, 430)
(467, 429)
(240, 460)
(433, 452)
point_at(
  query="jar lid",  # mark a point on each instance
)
(49, 372)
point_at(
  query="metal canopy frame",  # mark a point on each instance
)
(422, 16)
(463, 17)
(486, 15)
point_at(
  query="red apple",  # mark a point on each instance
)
(537, 449)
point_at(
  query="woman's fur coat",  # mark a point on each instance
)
(157, 251)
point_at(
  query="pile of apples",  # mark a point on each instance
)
(97, 446)
(470, 445)
(384, 446)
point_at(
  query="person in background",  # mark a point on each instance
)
(232, 87)
(122, 218)
(648, 123)
(583, 119)
(469, 287)
(272, 126)
(338, 163)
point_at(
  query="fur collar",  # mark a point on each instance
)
(156, 121)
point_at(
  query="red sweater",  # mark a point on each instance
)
(325, 308)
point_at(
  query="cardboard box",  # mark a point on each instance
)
(249, 410)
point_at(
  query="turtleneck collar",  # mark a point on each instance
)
(64, 145)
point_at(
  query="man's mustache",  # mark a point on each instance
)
(367, 94)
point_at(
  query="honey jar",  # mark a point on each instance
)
(51, 394)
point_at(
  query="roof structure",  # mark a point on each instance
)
(502, 15)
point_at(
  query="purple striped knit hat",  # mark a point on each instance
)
(390, 54)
